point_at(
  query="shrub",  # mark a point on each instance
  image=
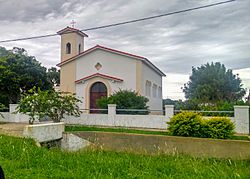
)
(125, 99)
(188, 124)
(219, 128)
(48, 103)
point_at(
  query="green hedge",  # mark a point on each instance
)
(191, 124)
(219, 128)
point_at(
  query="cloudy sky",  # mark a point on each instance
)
(174, 43)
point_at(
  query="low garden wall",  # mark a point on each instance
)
(134, 121)
(240, 119)
(140, 143)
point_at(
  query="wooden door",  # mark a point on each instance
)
(97, 91)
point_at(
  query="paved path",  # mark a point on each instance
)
(14, 129)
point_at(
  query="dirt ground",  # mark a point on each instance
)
(14, 129)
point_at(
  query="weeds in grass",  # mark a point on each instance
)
(21, 158)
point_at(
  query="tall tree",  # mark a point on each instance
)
(19, 72)
(211, 83)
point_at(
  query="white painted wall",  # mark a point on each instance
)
(136, 121)
(240, 119)
(112, 64)
(117, 66)
(89, 119)
(10, 117)
(154, 78)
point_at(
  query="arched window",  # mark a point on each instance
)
(79, 48)
(68, 48)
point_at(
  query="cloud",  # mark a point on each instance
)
(174, 43)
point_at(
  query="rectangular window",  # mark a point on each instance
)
(154, 90)
(148, 88)
(159, 92)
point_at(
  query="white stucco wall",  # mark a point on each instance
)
(112, 64)
(155, 103)
(118, 66)
(137, 121)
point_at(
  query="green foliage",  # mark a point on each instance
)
(71, 128)
(213, 82)
(19, 73)
(78, 128)
(219, 128)
(21, 158)
(48, 103)
(225, 107)
(191, 104)
(125, 99)
(190, 124)
(53, 76)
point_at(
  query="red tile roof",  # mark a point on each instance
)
(98, 75)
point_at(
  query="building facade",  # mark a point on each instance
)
(100, 71)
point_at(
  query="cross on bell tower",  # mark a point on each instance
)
(73, 23)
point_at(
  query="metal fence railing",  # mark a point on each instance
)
(125, 111)
(98, 111)
(208, 113)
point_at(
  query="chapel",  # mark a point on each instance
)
(100, 71)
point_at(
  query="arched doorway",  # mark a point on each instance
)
(97, 91)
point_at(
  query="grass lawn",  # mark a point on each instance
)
(72, 128)
(20, 158)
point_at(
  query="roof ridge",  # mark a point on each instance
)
(114, 51)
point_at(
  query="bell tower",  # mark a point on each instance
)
(72, 42)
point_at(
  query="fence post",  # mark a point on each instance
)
(112, 113)
(169, 111)
(241, 116)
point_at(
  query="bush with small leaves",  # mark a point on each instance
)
(126, 100)
(219, 128)
(188, 124)
(38, 104)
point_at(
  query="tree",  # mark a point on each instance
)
(125, 99)
(19, 73)
(213, 83)
(38, 104)
(54, 76)
(182, 105)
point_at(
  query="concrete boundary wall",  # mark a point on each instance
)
(240, 119)
(135, 121)
(154, 144)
